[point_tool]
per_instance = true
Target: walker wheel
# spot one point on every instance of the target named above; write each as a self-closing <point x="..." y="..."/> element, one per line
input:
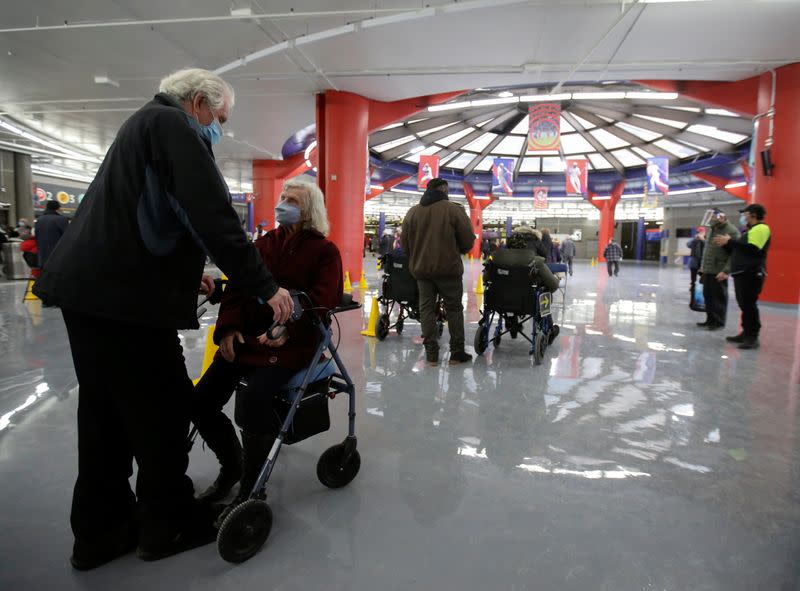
<point x="334" y="471"/>
<point x="382" y="330"/>
<point x="539" y="345"/>
<point x="480" y="343"/>
<point x="244" y="531"/>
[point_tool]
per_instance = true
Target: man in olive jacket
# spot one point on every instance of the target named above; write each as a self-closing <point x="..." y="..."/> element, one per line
<point x="435" y="235"/>
<point x="714" y="272"/>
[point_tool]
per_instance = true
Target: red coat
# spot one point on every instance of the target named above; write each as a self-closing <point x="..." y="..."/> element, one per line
<point x="306" y="261"/>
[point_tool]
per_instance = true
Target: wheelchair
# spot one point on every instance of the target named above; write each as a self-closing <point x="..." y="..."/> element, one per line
<point x="301" y="412"/>
<point x="517" y="291"/>
<point x="399" y="289"/>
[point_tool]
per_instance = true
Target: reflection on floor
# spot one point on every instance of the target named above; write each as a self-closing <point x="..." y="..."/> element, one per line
<point x="643" y="454"/>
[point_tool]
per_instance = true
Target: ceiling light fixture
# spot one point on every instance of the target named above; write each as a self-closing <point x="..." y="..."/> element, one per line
<point x="505" y="94"/>
<point x="61" y="174"/>
<point x="735" y="185"/>
<point x="449" y="106"/>
<point x="532" y="98"/>
<point x="495" y="101"/>
<point x="106" y="81"/>
<point x="664" y="96"/>
<point x="598" y="95"/>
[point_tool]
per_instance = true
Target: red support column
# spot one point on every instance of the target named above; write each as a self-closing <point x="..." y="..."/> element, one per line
<point x="342" y="131"/>
<point x="778" y="192"/>
<point x="268" y="179"/>
<point x="607" y="208"/>
<point x="344" y="122"/>
<point x="476" y="207"/>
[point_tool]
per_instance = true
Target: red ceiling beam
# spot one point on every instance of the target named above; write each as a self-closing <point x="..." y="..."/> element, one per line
<point x="720" y="183"/>
<point x="740" y="97"/>
<point x="382" y="113"/>
<point x="285" y="169"/>
<point x="385" y="186"/>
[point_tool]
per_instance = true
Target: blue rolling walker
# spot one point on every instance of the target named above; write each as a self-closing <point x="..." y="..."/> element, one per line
<point x="304" y="400"/>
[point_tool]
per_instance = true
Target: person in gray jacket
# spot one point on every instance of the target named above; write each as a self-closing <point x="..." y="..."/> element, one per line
<point x="714" y="272"/>
<point x="568" y="252"/>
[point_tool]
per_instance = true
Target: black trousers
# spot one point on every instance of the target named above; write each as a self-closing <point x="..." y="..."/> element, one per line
<point x="451" y="289"/>
<point x="692" y="278"/>
<point x="253" y="403"/>
<point x="615" y="265"/>
<point x="133" y="402"/>
<point x="716" y="295"/>
<point x="748" y="287"/>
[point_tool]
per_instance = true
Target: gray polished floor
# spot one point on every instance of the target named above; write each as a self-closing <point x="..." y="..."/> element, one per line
<point x="643" y="454"/>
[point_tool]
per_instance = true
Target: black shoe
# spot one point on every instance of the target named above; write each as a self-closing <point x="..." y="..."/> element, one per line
<point x="86" y="556"/>
<point x="254" y="454"/>
<point x="715" y="326"/>
<point x="222" y="486"/>
<point x="432" y="358"/>
<point x="749" y="343"/>
<point x="460" y="357"/>
<point x="739" y="338"/>
<point x="228" y="450"/>
<point x="703" y="324"/>
<point x="198" y="530"/>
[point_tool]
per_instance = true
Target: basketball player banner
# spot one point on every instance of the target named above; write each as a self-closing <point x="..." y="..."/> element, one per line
<point x="544" y="127"/>
<point x="540" y="198"/>
<point x="503" y="176"/>
<point x="577" y="174"/>
<point x="428" y="169"/>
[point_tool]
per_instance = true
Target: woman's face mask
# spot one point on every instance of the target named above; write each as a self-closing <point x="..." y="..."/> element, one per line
<point x="287" y="214"/>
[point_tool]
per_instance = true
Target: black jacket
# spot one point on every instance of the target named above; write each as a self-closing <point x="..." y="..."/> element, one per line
<point x="50" y="227"/>
<point x="696" y="247"/>
<point x="136" y="248"/>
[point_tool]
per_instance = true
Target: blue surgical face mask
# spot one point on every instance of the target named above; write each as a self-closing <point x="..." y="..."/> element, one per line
<point x="287" y="214"/>
<point x="742" y="221"/>
<point x="212" y="132"/>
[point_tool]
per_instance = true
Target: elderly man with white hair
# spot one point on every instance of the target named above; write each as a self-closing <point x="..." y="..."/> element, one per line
<point x="126" y="276"/>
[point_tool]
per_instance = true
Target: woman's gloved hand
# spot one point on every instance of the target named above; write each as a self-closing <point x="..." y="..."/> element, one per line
<point x="226" y="345"/>
<point x="281" y="336"/>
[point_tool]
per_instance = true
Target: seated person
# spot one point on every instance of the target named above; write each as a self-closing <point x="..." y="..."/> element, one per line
<point x="301" y="258"/>
<point x="519" y="254"/>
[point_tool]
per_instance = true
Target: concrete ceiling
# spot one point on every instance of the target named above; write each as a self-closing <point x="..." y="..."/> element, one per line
<point x="385" y="49"/>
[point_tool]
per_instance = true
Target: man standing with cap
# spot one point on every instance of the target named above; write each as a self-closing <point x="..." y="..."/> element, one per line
<point x="715" y="269"/>
<point x="749" y="269"/>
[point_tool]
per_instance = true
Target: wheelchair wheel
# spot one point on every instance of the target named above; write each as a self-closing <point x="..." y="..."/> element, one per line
<point x="480" y="343"/>
<point x="383" y="327"/>
<point x="539" y="345"/>
<point x="399" y="325"/>
<point x="553" y="334"/>
<point x="333" y="471"/>
<point x="496" y="341"/>
<point x="244" y="531"/>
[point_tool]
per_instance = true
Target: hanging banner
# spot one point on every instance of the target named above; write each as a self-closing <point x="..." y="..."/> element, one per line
<point x="544" y="127"/>
<point x="657" y="175"/>
<point x="503" y="176"/>
<point x="577" y="176"/>
<point x="428" y="169"/>
<point x="540" y="197"/>
<point x="649" y="200"/>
